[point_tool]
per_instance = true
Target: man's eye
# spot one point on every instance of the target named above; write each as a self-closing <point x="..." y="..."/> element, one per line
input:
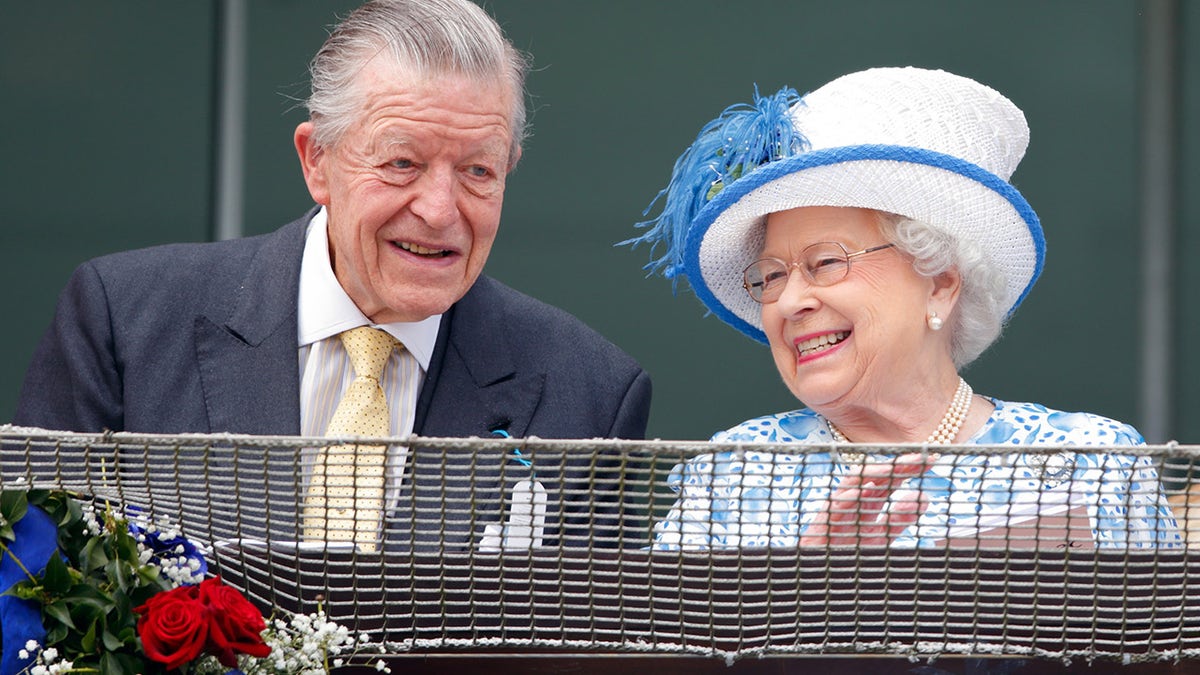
<point x="479" y="171"/>
<point x="402" y="163"/>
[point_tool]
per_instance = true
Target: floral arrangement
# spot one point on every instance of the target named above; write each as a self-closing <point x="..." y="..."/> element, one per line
<point x="93" y="588"/>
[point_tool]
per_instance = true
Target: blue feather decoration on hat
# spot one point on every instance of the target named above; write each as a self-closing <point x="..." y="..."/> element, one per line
<point x="743" y="138"/>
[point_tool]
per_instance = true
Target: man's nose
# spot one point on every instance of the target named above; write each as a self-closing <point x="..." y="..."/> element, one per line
<point x="436" y="201"/>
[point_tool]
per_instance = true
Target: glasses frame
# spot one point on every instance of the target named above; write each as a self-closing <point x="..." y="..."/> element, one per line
<point x="796" y="264"/>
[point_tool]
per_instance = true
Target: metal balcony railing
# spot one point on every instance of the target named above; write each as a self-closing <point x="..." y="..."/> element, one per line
<point x="555" y="548"/>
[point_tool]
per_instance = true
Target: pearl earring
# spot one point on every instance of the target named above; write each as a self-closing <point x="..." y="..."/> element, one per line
<point x="934" y="321"/>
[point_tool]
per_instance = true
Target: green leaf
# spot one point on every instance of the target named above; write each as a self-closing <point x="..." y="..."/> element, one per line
<point x="12" y="508"/>
<point x="133" y="664"/>
<point x="56" y="633"/>
<point x="87" y="616"/>
<point x="124" y="575"/>
<point x="94" y="556"/>
<point x="57" y="504"/>
<point x="61" y="613"/>
<point x="13" y="504"/>
<point x="85" y="595"/>
<point x="149" y="575"/>
<point x="70" y="511"/>
<point x="117" y="664"/>
<point x="57" y="579"/>
<point x="111" y="642"/>
<point x="27" y="590"/>
<point x="38" y="496"/>
<point x="88" y="641"/>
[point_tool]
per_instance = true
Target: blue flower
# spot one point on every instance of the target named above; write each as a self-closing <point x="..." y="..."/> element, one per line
<point x="178" y="557"/>
<point x="36" y="540"/>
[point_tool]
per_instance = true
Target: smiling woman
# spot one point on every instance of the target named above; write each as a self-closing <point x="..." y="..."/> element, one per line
<point x="888" y="191"/>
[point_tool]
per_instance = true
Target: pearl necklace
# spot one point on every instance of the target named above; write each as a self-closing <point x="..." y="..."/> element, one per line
<point x="946" y="430"/>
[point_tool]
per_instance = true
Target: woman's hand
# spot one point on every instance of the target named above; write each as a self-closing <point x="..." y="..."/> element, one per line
<point x="854" y="514"/>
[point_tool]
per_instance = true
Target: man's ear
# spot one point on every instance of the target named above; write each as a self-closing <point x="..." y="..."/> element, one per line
<point x="312" y="162"/>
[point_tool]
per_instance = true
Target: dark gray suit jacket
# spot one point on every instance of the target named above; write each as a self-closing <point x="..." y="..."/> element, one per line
<point x="202" y="338"/>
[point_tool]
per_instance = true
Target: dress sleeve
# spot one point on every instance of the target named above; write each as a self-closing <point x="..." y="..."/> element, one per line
<point x="688" y="524"/>
<point x="1131" y="510"/>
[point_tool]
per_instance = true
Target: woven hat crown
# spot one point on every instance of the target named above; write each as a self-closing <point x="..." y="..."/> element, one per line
<point x="929" y="109"/>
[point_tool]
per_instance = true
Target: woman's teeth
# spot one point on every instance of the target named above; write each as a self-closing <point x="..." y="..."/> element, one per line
<point x="821" y="342"/>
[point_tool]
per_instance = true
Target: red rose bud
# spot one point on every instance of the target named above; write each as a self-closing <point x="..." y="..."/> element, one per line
<point x="235" y="624"/>
<point x="173" y="626"/>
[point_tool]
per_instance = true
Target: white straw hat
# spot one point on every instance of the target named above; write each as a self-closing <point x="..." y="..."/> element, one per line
<point x="925" y="144"/>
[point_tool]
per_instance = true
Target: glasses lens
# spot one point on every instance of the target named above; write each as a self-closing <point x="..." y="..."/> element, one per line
<point x="826" y="263"/>
<point x="765" y="279"/>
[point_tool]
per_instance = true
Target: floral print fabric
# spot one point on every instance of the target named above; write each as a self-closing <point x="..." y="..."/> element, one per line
<point x="751" y="498"/>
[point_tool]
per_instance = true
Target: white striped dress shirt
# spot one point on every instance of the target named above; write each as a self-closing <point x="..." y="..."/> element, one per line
<point x="325" y="372"/>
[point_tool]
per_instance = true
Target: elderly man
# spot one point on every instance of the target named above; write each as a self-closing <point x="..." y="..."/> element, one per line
<point x="416" y="118"/>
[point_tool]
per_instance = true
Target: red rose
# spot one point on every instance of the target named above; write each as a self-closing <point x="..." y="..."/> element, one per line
<point x="235" y="625"/>
<point x="173" y="626"/>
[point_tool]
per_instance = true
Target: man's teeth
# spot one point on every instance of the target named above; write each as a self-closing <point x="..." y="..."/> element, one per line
<point x="820" y="342"/>
<point x="421" y="250"/>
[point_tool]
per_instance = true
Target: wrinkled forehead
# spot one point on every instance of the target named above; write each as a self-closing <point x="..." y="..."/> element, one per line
<point x="455" y="99"/>
<point x="382" y="70"/>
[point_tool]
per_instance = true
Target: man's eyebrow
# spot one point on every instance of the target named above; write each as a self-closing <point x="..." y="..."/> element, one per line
<point x="494" y="146"/>
<point x="391" y="141"/>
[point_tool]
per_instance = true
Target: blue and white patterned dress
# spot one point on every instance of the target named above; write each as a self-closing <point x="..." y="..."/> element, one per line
<point x="748" y="498"/>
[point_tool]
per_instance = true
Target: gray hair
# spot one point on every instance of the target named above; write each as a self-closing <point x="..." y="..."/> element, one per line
<point x="980" y="312"/>
<point x="429" y="38"/>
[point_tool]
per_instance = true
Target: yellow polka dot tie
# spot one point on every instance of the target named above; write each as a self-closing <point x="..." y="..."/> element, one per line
<point x="346" y="494"/>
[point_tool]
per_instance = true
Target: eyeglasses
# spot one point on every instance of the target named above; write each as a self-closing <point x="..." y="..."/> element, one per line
<point x="824" y="263"/>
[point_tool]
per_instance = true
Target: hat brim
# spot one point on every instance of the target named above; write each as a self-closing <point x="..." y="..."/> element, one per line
<point x="945" y="192"/>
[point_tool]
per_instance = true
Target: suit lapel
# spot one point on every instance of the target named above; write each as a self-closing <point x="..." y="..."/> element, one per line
<point x="473" y="386"/>
<point x="247" y="360"/>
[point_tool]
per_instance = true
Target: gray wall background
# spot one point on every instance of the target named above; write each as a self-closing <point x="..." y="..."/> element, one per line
<point x="112" y="128"/>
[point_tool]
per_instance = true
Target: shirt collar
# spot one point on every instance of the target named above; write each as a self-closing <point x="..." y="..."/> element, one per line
<point x="324" y="309"/>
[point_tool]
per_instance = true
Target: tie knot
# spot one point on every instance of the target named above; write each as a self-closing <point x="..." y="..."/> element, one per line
<point x="369" y="350"/>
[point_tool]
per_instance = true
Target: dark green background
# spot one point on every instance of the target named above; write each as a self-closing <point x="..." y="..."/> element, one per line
<point x="109" y="125"/>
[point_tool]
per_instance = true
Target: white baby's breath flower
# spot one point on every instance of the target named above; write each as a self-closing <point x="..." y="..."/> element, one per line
<point x="90" y="522"/>
<point x="304" y="644"/>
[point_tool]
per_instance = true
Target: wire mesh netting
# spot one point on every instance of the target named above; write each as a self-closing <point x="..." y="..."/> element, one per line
<point x="635" y="547"/>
